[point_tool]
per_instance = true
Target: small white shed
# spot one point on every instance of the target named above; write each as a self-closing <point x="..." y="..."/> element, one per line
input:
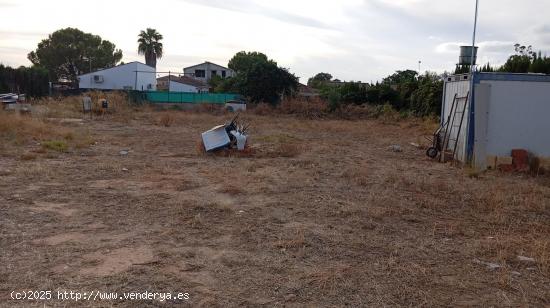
<point x="506" y="111"/>
<point x="129" y="76"/>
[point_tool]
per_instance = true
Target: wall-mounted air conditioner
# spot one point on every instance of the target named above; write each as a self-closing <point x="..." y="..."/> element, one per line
<point x="98" y="78"/>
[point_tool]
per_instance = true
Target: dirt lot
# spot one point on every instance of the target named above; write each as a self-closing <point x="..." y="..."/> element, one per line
<point x="322" y="213"/>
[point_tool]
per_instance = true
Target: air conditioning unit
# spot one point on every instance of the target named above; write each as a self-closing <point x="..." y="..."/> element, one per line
<point x="98" y="78"/>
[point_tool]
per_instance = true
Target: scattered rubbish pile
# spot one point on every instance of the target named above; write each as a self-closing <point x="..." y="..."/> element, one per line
<point x="396" y="148"/>
<point x="14" y="102"/>
<point x="490" y="265"/>
<point x="232" y="135"/>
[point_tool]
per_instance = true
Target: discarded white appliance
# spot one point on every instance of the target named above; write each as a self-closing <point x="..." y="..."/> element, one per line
<point x="216" y="138"/>
<point x="230" y="136"/>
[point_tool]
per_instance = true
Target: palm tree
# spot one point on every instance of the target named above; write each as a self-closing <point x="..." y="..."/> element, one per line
<point x="150" y="46"/>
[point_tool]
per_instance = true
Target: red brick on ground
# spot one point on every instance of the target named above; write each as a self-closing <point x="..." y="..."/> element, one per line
<point x="520" y="160"/>
<point x="506" y="168"/>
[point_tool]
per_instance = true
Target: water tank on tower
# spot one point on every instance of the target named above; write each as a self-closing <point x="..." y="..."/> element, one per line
<point x="466" y="55"/>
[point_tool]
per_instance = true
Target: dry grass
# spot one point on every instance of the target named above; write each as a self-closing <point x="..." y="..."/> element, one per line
<point x="167" y="119"/>
<point x="28" y="156"/>
<point x="119" y="107"/>
<point x="231" y="189"/>
<point x="315" y="213"/>
<point x="22" y="128"/>
<point x="38" y="128"/>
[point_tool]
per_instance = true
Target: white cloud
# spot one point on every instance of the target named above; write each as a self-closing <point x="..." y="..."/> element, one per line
<point x="352" y="39"/>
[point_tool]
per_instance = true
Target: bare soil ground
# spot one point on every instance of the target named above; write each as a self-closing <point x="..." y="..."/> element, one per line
<point x="320" y="213"/>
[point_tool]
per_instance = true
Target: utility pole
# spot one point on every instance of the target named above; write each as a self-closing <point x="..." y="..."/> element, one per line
<point x="471" y="94"/>
<point x="474" y="39"/>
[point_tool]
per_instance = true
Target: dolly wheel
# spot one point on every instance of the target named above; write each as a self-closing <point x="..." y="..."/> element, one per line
<point x="432" y="153"/>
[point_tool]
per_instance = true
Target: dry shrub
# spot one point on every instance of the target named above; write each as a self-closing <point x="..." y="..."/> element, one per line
<point x="215" y="109"/>
<point x="287" y="150"/>
<point x="118" y="101"/>
<point x="355" y="112"/>
<point x="292" y="239"/>
<point x="314" y="108"/>
<point x="83" y="140"/>
<point x="429" y="124"/>
<point x="388" y="114"/>
<point x="166" y="119"/>
<point x="60" y="107"/>
<point x="262" y="109"/>
<point x="55" y="145"/>
<point x="28" y="156"/>
<point x="231" y="189"/>
<point x="330" y="278"/>
<point x="358" y="176"/>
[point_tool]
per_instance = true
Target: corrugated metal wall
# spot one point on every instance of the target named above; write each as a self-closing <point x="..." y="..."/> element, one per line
<point x="459" y="85"/>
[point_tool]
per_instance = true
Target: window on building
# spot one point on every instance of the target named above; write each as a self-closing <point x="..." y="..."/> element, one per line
<point x="214" y="73"/>
<point x="200" y="73"/>
<point x="223" y="74"/>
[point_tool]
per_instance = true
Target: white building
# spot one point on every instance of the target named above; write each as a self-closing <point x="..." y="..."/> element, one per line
<point x="206" y="70"/>
<point x="506" y="112"/>
<point x="182" y="84"/>
<point x="129" y="76"/>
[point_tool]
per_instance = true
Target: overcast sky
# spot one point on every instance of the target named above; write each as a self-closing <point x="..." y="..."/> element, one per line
<point x="351" y="39"/>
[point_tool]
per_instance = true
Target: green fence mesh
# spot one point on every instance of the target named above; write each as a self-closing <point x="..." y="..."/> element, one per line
<point x="181" y="97"/>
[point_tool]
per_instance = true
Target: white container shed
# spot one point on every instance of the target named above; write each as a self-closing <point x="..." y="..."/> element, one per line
<point x="129" y="76"/>
<point x="507" y="111"/>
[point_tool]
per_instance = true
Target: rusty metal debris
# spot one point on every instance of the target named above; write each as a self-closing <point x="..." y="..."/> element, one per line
<point x="232" y="135"/>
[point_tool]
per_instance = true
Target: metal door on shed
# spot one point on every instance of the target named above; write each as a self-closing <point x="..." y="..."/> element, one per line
<point x="458" y="85"/>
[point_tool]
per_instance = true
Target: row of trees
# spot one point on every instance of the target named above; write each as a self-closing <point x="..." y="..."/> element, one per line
<point x="403" y="90"/>
<point x="418" y="94"/>
<point x="32" y="81"/>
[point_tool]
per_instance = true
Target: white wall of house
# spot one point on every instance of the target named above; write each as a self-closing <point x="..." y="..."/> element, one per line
<point x="130" y="76"/>
<point x="180" y="87"/>
<point x="209" y="70"/>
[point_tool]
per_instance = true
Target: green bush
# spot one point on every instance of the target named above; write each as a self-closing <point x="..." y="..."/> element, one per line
<point x="55" y="145"/>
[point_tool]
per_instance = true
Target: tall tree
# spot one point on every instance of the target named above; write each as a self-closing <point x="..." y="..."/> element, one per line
<point x="150" y="46"/>
<point x="400" y="77"/>
<point x="319" y="80"/>
<point x="426" y="100"/>
<point x="259" y="78"/>
<point x="69" y="52"/>
<point x="243" y="61"/>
